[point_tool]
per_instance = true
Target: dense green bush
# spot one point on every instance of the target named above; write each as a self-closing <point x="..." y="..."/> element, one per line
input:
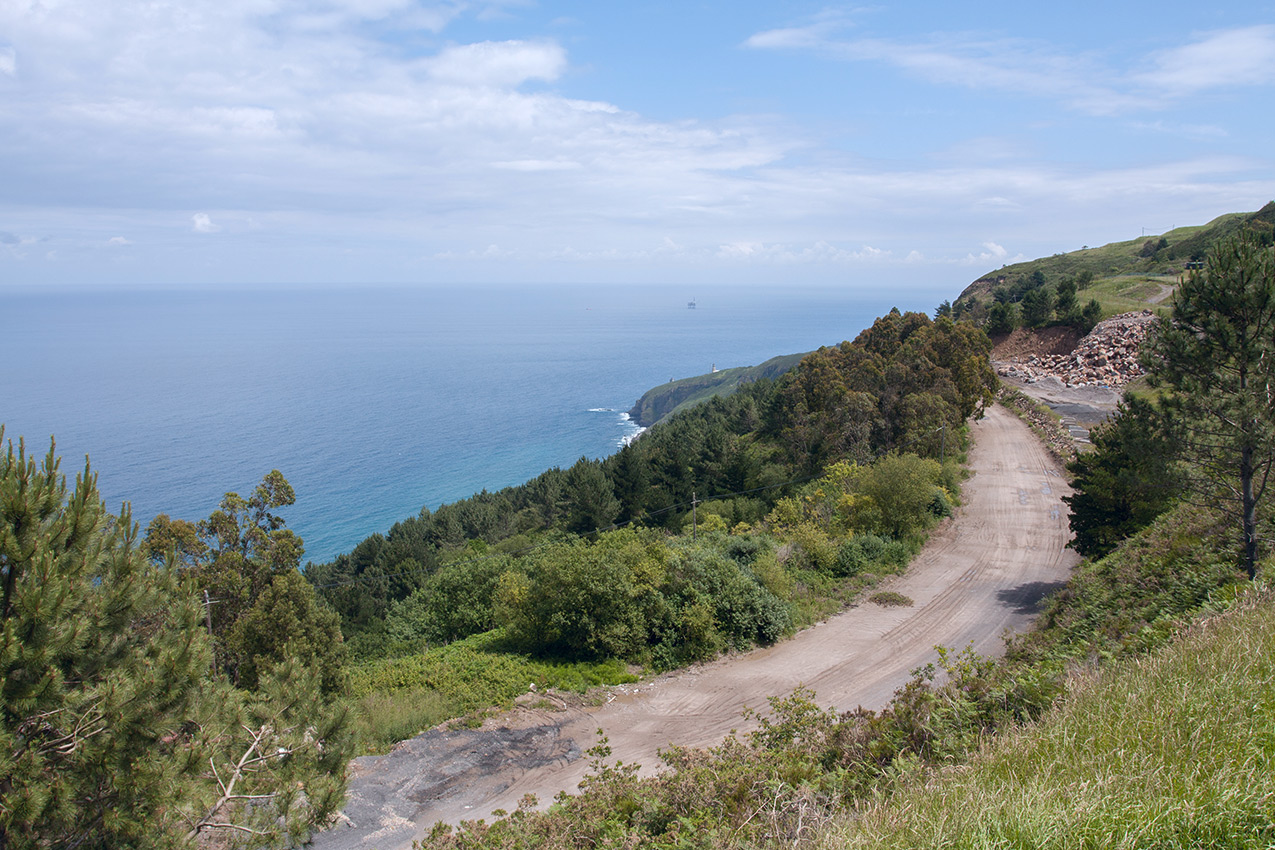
<point x="453" y="603"/>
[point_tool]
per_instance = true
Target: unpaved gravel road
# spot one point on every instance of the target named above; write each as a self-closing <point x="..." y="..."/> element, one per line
<point x="980" y="574"/>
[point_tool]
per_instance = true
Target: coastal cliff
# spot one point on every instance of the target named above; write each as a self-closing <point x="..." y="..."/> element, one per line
<point x="655" y="404"/>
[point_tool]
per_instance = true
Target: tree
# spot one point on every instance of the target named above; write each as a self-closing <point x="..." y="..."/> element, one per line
<point x="1001" y="319"/>
<point x="1038" y="306"/>
<point x="1216" y="355"/>
<point x="101" y="660"/>
<point x="1127" y="481"/>
<point x="247" y="562"/>
<point x="112" y="732"/>
<point x="1065" y="306"/>
<point x="895" y="496"/>
<point x="288" y="622"/>
<point x="1090" y="315"/>
<point x="591" y="502"/>
<point x="577" y="599"/>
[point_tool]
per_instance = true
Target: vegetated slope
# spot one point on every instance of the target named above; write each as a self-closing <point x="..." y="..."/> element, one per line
<point x="1165" y="255"/>
<point x="1176" y="750"/>
<point x="663" y="401"/>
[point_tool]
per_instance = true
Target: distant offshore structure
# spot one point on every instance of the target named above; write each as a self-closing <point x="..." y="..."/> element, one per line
<point x="690" y="305"/>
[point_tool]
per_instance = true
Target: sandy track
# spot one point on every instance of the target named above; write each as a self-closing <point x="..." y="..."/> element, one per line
<point x="980" y="574"/>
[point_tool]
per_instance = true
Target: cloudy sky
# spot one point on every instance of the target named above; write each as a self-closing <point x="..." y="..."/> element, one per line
<point x="384" y="141"/>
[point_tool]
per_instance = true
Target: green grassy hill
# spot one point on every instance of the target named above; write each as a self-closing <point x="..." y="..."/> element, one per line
<point x="1131" y="275"/>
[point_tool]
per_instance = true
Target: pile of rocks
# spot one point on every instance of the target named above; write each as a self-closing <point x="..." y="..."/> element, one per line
<point x="1108" y="356"/>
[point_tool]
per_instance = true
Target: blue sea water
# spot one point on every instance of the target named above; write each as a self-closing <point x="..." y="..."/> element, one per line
<point x="373" y="402"/>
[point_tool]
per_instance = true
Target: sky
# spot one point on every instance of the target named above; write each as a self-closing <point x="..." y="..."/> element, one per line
<point x="908" y="144"/>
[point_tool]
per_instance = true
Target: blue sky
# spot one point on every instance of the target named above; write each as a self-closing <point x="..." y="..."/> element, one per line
<point x="920" y="144"/>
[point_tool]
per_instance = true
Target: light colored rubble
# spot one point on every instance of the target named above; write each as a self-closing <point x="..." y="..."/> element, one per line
<point x="1107" y="357"/>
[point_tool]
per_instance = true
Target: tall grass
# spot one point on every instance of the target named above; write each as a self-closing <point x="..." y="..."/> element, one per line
<point x="1172" y="750"/>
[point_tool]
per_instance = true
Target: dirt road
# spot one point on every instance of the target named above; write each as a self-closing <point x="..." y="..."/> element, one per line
<point x="980" y="574"/>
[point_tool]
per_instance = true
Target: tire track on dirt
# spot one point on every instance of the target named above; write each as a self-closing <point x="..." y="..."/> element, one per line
<point x="982" y="573"/>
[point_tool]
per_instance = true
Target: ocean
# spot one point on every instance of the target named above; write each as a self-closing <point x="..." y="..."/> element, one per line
<point x="372" y="402"/>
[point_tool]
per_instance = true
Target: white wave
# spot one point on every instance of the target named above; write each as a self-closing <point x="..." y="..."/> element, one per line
<point x="629" y="438"/>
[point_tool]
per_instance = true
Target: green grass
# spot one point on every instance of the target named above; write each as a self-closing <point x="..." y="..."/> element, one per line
<point x="1111" y="264"/>
<point x="396" y="698"/>
<point x="1174" y="750"/>
<point x="1129" y="293"/>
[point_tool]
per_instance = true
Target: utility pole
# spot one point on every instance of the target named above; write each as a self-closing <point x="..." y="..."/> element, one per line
<point x="694" y="517"/>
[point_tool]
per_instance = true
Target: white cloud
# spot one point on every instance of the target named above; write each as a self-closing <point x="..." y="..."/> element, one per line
<point x="992" y="254"/>
<point x="202" y="223"/>
<point x="1226" y="58"/>
<point x="1188" y="131"/>
<point x="491" y="252"/>
<point x="118" y="240"/>
<point x="1014" y="65"/>
<point x="813" y="36"/>
<point x="1086" y="82"/>
<point x="498" y="64"/>
<point x="789" y="254"/>
<point x="331" y="128"/>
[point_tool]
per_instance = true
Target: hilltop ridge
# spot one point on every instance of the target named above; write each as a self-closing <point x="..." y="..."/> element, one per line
<point x="1148" y="260"/>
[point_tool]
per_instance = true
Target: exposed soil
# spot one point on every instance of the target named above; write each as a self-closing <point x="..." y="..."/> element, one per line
<point x="982" y="573"/>
<point x="1022" y="343"/>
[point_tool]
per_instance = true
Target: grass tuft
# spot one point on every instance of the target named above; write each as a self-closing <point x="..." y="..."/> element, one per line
<point x="890" y="599"/>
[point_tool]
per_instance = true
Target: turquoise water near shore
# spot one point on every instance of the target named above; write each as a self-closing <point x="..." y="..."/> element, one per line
<point x="373" y="402"/>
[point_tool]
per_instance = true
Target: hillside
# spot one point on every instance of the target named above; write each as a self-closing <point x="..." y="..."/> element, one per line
<point x="667" y="399"/>
<point x="1123" y="276"/>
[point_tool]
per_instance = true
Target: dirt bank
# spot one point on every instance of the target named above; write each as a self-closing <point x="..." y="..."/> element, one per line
<point x="982" y="573"/>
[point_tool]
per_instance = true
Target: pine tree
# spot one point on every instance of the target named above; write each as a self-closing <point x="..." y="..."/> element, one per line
<point x="1127" y="481"/>
<point x="101" y="666"/>
<point x="1217" y="357"/>
<point x="113" y="732"/>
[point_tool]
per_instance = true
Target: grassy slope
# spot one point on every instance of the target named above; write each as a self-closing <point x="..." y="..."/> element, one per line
<point x="1174" y="750"/>
<point x="1123" y="279"/>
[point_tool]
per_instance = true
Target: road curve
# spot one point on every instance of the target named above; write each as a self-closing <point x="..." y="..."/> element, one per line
<point x="981" y="573"/>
